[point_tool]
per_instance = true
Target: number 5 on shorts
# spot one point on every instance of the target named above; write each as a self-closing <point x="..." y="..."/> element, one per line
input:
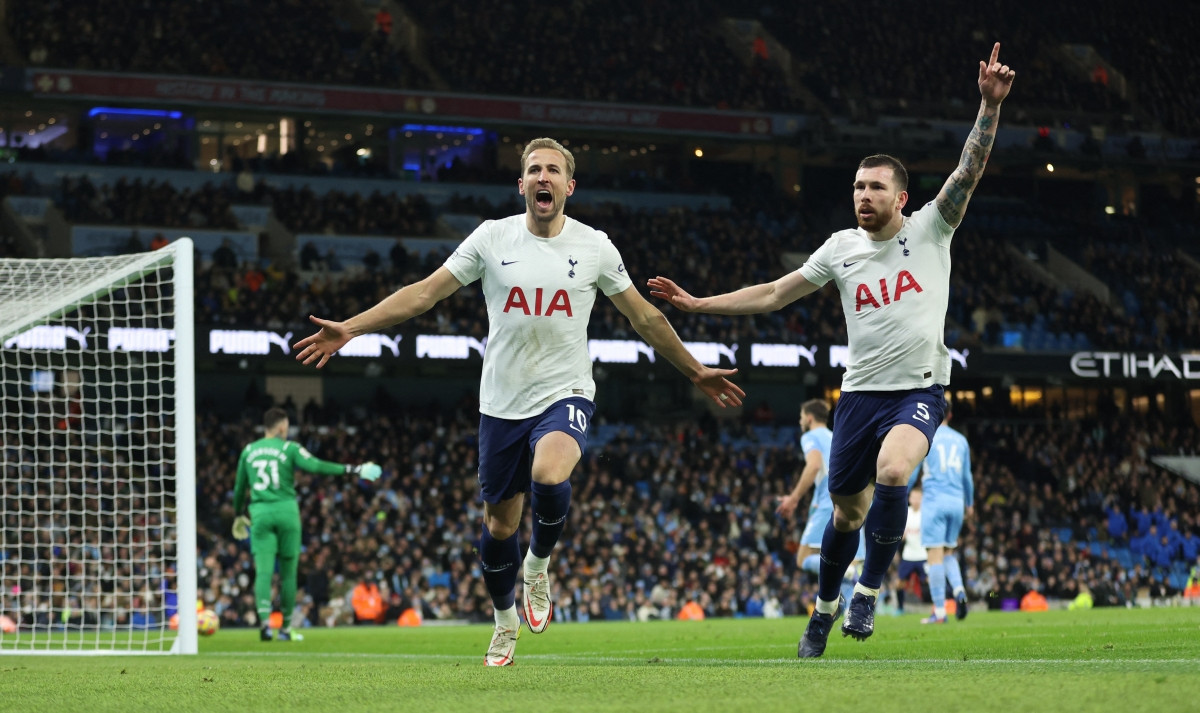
<point x="922" y="413"/>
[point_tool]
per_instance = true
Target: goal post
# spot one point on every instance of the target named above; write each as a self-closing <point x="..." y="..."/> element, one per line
<point x="97" y="454"/>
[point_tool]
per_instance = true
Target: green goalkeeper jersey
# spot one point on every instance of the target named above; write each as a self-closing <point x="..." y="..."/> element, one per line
<point x="266" y="469"/>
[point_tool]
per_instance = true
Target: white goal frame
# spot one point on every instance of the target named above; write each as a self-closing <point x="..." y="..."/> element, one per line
<point x="37" y="294"/>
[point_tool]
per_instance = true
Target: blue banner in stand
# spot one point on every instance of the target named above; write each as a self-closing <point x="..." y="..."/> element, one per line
<point x="29" y="208"/>
<point x="251" y="217"/>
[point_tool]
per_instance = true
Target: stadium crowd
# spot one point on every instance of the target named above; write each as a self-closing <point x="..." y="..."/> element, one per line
<point x="218" y="39"/>
<point x="665" y="515"/>
<point x="646" y="57"/>
<point x="706" y="251"/>
<point x="651" y="53"/>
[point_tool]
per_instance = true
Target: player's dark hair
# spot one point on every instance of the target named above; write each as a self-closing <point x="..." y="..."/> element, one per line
<point x="899" y="173"/>
<point x="817" y="408"/>
<point x="273" y="416"/>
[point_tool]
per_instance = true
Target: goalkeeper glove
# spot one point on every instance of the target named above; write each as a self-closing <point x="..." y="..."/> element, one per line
<point x="241" y="527"/>
<point x="366" y="471"/>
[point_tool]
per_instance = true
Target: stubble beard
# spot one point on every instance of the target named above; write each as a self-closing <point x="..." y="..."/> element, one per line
<point x="532" y="206"/>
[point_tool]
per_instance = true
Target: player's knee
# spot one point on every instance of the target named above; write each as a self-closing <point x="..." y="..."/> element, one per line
<point x="550" y="475"/>
<point x="893" y="473"/>
<point x="847" y="519"/>
<point x="500" y="529"/>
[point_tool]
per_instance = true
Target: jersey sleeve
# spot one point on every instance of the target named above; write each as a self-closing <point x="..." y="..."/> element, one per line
<point x="930" y="222"/>
<point x="613" y="277"/>
<point x="816" y="269"/>
<point x="467" y="261"/>
<point x="808" y="442"/>
<point x="304" y="460"/>
<point x="242" y="483"/>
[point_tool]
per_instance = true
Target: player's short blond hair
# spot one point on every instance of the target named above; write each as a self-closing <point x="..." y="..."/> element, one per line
<point x="546" y="143"/>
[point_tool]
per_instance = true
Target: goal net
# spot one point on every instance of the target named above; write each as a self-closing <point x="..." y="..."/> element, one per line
<point x="97" y="444"/>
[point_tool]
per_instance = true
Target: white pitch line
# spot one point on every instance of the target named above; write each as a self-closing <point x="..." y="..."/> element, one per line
<point x="716" y="662"/>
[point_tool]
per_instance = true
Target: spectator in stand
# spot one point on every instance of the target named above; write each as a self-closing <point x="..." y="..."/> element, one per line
<point x="1118" y="527"/>
<point x="368" y="601"/>
<point x="224" y="256"/>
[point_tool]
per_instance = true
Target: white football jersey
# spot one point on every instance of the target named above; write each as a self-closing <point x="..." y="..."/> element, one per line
<point x="539" y="294"/>
<point x="895" y="294"/>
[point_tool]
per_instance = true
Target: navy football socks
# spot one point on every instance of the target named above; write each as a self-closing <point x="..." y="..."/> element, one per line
<point x="837" y="552"/>
<point x="550" y="504"/>
<point x="501" y="560"/>
<point x="885" y="530"/>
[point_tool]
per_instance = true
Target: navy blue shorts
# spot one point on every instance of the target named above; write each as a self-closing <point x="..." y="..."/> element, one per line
<point x="861" y="421"/>
<point x="506" y="445"/>
<point x="908" y="568"/>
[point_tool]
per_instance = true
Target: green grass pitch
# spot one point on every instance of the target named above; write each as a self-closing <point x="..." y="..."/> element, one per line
<point x="1099" y="660"/>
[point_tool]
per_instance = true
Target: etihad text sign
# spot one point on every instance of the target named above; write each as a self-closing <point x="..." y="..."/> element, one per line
<point x="1130" y="365"/>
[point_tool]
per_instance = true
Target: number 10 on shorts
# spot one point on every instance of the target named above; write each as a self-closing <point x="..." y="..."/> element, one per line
<point x="577" y="418"/>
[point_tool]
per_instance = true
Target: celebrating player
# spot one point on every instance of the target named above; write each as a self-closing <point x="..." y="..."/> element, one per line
<point x="893" y="273"/>
<point x="266" y="470"/>
<point x="949" y="492"/>
<point x="814" y="444"/>
<point x="541" y="271"/>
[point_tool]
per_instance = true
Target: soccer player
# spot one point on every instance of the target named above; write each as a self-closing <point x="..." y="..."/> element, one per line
<point x="912" y="554"/>
<point x="541" y="271"/>
<point x="949" y="492"/>
<point x="266" y="471"/>
<point x="893" y="273"/>
<point x="814" y="444"/>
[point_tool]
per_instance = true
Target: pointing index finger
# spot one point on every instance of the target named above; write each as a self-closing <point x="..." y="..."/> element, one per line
<point x="995" y="54"/>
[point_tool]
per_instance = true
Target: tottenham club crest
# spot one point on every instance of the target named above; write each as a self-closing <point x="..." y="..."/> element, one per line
<point x="573" y="264"/>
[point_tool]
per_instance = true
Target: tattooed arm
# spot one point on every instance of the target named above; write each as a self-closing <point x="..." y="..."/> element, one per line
<point x="995" y="81"/>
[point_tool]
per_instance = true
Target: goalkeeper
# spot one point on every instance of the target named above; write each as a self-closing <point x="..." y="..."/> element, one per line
<point x="273" y="526"/>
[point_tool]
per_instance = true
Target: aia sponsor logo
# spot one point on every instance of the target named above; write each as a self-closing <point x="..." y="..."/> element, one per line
<point x="905" y="282"/>
<point x="518" y="301"/>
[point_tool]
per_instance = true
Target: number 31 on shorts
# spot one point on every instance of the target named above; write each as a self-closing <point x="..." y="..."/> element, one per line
<point x="577" y="418"/>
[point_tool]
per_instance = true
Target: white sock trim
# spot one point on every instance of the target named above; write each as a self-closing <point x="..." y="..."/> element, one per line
<point x="940" y="612"/>
<point x="536" y="564"/>
<point x="825" y="607"/>
<point x="860" y="589"/>
<point x="508" y="617"/>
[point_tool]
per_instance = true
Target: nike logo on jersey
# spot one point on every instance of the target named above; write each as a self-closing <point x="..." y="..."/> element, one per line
<point x="508" y="262"/>
<point x="848" y="264"/>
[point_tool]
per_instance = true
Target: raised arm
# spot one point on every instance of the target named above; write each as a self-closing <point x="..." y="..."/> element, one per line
<point x="652" y="325"/>
<point x="400" y="306"/>
<point x="764" y="297"/>
<point x="995" y="81"/>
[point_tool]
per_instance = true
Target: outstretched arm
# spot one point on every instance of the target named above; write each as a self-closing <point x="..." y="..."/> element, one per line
<point x="400" y="306"/>
<point x="812" y="465"/>
<point x="995" y="81"/>
<point x="650" y="323"/>
<point x="756" y="299"/>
